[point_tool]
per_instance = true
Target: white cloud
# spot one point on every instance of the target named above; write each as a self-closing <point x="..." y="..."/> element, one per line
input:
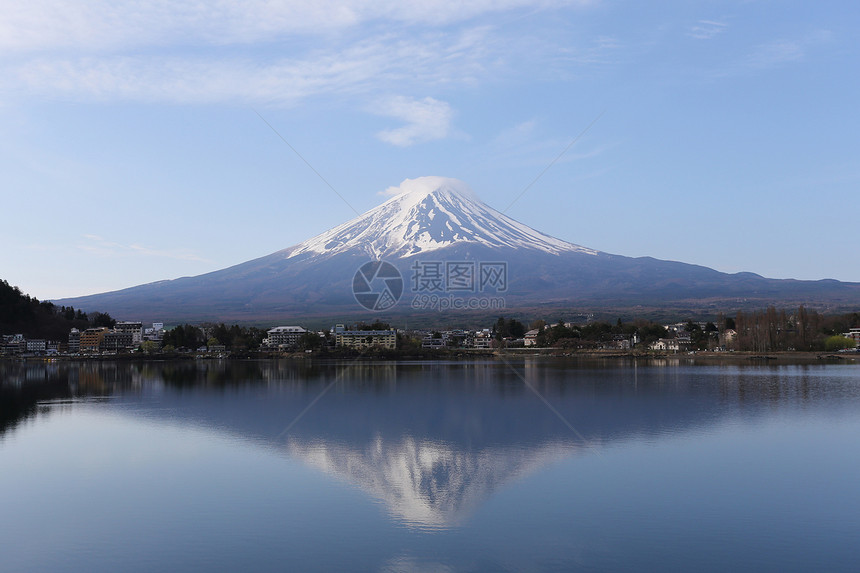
<point x="516" y="135"/>
<point x="707" y="29"/>
<point x="426" y="119"/>
<point x="779" y="52"/>
<point x="97" y="25"/>
<point x="99" y="246"/>
<point x="776" y="53"/>
<point x="256" y="51"/>
<point x="369" y="65"/>
<point x="527" y="143"/>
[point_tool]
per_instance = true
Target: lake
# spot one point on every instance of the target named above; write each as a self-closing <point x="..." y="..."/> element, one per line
<point x="491" y="465"/>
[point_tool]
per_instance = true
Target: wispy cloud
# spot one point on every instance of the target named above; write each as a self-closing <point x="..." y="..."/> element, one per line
<point x="99" y="246"/>
<point x="516" y="135"/>
<point x="387" y="60"/>
<point x="98" y="25"/>
<point x="786" y="51"/>
<point x="426" y="119"/>
<point x="249" y="51"/>
<point x="527" y="144"/>
<point x="775" y="54"/>
<point x="706" y="29"/>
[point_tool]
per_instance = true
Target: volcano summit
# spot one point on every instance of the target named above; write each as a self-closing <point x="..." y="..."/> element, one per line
<point x="439" y="221"/>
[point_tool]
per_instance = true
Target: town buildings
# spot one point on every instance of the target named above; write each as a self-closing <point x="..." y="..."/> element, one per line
<point x="854" y="333"/>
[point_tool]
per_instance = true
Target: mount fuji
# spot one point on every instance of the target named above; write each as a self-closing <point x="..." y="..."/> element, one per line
<point x="433" y="221"/>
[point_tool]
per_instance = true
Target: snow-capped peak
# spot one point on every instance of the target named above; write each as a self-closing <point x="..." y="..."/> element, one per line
<point x="428" y="214"/>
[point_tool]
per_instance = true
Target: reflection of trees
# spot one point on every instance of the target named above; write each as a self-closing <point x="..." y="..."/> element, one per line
<point x="18" y="404"/>
<point x="24" y="385"/>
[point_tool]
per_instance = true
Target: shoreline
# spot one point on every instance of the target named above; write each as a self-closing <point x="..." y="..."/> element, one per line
<point x="782" y="357"/>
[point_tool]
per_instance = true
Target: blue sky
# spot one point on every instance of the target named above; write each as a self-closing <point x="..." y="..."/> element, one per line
<point x="131" y="150"/>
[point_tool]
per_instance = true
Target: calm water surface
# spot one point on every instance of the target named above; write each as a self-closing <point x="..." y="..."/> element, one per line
<point x="466" y="466"/>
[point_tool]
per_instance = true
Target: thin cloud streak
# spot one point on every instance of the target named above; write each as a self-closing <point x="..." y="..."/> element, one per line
<point x="104" y="25"/>
<point x="707" y="29"/>
<point x="427" y="59"/>
<point x="775" y="54"/>
<point x="102" y="247"/>
<point x="426" y="119"/>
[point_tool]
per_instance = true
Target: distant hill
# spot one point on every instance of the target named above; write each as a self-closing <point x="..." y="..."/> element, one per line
<point x="23" y="314"/>
<point x="439" y="221"/>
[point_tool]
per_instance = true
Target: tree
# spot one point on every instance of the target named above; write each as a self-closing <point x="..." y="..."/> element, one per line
<point x="20" y="313"/>
<point x="98" y="319"/>
<point x="651" y="332"/>
<point x="838" y="342"/>
<point x="149" y="347"/>
<point x="310" y="341"/>
<point x="375" y="325"/>
<point x="508" y="328"/>
<point x="184" y="336"/>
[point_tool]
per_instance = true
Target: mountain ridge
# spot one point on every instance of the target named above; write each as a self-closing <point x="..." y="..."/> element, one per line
<point x="436" y="220"/>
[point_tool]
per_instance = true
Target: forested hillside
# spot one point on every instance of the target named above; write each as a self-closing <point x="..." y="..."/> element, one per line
<point x="23" y="314"/>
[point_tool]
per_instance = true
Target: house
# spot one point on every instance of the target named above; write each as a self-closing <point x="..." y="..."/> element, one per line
<point x="483" y="339"/>
<point x="727" y="337"/>
<point x="431" y="342"/>
<point x="853" y="333"/>
<point x="531" y="337"/>
<point x="620" y="342"/>
<point x="671" y="344"/>
<point x="14" y="344"/>
<point x="154" y="334"/>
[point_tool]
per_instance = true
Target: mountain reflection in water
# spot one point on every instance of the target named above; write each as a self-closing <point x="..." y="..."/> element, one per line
<point x="432" y="441"/>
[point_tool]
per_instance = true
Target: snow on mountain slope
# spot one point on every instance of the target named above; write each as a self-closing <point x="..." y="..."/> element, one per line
<point x="430" y="213"/>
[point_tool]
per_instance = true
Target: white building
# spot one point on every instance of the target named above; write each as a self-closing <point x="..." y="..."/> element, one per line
<point x="483" y="339"/>
<point x="36" y="345"/>
<point x="671" y="344"/>
<point x="154" y="334"/>
<point x="284" y="336"/>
